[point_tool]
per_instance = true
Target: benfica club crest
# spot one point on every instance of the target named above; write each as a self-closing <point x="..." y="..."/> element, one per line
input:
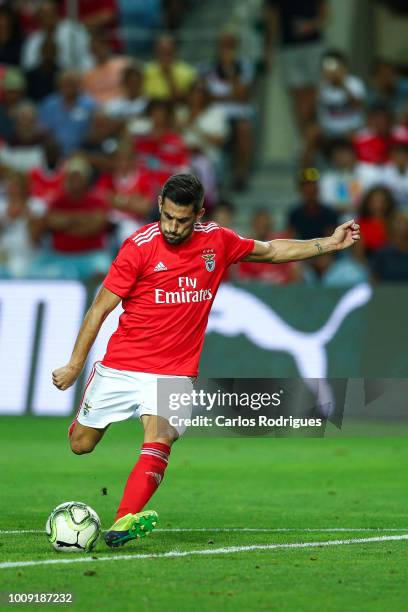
<point x="209" y="259"/>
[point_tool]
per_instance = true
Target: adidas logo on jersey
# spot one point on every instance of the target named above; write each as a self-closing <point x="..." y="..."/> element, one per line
<point x="160" y="267"/>
<point x="156" y="476"/>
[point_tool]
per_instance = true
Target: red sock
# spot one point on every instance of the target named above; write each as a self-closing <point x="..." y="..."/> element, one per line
<point x="71" y="428"/>
<point x="144" y="478"/>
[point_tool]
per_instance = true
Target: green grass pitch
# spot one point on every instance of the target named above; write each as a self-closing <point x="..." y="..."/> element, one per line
<point x="325" y="485"/>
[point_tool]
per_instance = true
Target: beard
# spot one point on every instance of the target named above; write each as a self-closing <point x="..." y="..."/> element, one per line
<point x="175" y="239"/>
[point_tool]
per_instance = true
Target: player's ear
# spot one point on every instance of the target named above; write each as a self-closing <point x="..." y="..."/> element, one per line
<point x="160" y="202"/>
<point x="200" y="214"/>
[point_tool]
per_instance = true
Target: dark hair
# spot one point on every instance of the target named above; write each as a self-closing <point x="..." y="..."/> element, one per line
<point x="400" y="145"/>
<point x="226" y="205"/>
<point x="100" y="34"/>
<point x="15" y="27"/>
<point x="133" y="68"/>
<point x="379" y="107"/>
<point x="184" y="190"/>
<point x="262" y="210"/>
<point x="339" y="143"/>
<point x="335" y="54"/>
<point x="365" y="202"/>
<point x="158" y="103"/>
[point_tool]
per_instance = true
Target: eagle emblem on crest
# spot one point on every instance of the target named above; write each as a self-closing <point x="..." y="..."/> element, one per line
<point x="209" y="260"/>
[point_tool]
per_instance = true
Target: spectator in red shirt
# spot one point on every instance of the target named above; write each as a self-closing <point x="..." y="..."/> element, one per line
<point x="278" y="274"/>
<point x="96" y="13"/>
<point x="128" y="191"/>
<point x="162" y="150"/>
<point x="373" y="144"/>
<point x="77" y="221"/>
<point x="376" y="209"/>
<point x="46" y="181"/>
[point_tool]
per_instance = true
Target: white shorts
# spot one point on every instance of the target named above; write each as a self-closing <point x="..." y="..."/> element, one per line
<point x="116" y="395"/>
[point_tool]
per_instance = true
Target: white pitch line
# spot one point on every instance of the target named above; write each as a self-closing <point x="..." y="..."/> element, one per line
<point x="206" y="551"/>
<point x="22" y="531"/>
<point x="282" y="529"/>
<point x="240" y="529"/>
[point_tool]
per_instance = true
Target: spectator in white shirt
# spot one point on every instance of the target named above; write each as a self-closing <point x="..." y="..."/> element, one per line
<point x="340" y="98"/>
<point x="203" y="122"/>
<point x="132" y="104"/>
<point x="204" y="127"/>
<point x="25" y="150"/>
<point x="230" y="81"/>
<point x="21" y="226"/>
<point x="71" y="38"/>
<point x="340" y="102"/>
<point x="343" y="184"/>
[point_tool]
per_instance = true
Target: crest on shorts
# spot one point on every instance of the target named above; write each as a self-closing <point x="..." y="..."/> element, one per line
<point x="86" y="408"/>
<point x="209" y="259"/>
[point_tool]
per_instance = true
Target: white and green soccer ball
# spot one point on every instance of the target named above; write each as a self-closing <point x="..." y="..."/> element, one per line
<point x="73" y="527"/>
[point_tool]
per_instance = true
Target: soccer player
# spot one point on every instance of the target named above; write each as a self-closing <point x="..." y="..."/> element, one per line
<point x="166" y="275"/>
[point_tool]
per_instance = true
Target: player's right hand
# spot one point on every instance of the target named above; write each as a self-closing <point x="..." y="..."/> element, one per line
<point x="64" y="377"/>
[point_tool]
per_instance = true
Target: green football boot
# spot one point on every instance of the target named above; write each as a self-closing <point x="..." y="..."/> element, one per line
<point x="131" y="527"/>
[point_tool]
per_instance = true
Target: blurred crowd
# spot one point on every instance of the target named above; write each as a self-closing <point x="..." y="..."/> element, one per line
<point x="92" y="125"/>
<point x="93" y="120"/>
<point x="354" y="157"/>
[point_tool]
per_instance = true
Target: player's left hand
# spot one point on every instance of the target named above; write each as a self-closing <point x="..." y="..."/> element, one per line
<point x="346" y="235"/>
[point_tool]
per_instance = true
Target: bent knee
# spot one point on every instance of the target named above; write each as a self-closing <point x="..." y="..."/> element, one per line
<point x="158" y="429"/>
<point x="81" y="446"/>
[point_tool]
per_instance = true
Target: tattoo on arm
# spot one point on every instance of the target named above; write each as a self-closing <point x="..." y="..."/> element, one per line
<point x="319" y="247"/>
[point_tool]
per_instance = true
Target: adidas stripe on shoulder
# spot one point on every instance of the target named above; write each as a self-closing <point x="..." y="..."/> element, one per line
<point x="142" y="237"/>
<point x="206" y="227"/>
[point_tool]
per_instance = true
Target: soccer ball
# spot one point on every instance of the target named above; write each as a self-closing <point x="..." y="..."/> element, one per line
<point x="73" y="527"/>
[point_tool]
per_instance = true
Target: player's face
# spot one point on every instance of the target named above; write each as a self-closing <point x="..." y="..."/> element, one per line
<point x="177" y="222"/>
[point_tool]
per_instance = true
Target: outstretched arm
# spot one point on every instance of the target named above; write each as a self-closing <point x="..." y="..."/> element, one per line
<point x="279" y="251"/>
<point x="103" y="304"/>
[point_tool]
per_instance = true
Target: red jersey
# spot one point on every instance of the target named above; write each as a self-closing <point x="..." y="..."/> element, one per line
<point x="373" y="233"/>
<point x="167" y="292"/>
<point x="372" y="148"/>
<point x="45" y="184"/>
<point x="169" y="152"/>
<point x="135" y="182"/>
<point x="64" y="241"/>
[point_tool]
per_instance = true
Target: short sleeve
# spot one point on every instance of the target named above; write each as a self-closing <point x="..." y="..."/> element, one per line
<point x="124" y="271"/>
<point x="236" y="247"/>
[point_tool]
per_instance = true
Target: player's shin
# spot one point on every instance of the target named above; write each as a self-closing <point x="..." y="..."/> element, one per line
<point x="144" y="479"/>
